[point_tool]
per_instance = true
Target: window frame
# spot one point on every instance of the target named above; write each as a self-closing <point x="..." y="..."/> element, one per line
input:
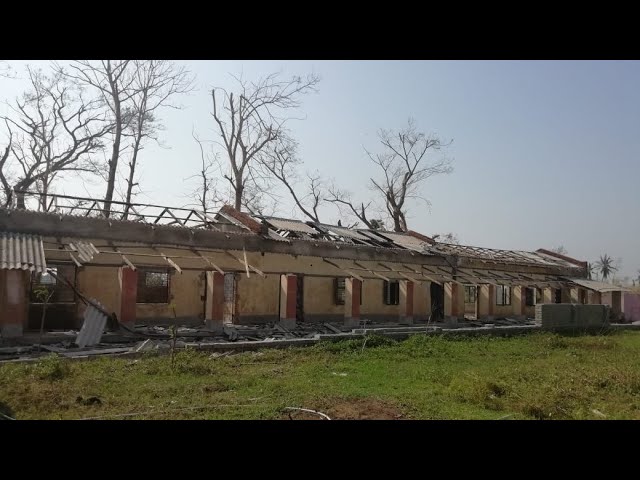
<point x="501" y="295"/>
<point x="142" y="282"/>
<point x="59" y="288"/>
<point x="337" y="288"/>
<point x="388" y="291"/>
<point x="467" y="294"/>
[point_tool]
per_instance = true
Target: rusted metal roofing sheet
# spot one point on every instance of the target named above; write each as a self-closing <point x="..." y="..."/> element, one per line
<point x="291" y="225"/>
<point x="22" y="252"/>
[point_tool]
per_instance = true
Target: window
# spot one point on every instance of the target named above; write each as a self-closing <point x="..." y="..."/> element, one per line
<point x="339" y="291"/>
<point x="45" y="284"/>
<point x="558" y="295"/>
<point x="153" y="286"/>
<point x="391" y="293"/>
<point x="469" y="294"/>
<point x="503" y="295"/>
<point x="530" y="301"/>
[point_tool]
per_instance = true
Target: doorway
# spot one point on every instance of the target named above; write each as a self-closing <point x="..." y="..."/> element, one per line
<point x="437" y="302"/>
<point x="300" y="298"/>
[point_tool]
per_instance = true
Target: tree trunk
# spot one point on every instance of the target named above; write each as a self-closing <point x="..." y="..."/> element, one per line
<point x="132" y="170"/>
<point x="239" y="191"/>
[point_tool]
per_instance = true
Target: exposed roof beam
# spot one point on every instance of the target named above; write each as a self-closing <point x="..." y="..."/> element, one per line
<point x="259" y="272"/>
<point x="208" y="261"/>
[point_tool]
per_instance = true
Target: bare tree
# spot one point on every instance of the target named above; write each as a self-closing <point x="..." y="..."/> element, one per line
<point x="5" y="70"/>
<point x="404" y="166"/>
<point x="205" y="194"/>
<point x="247" y="121"/>
<point x="155" y="84"/>
<point x="280" y="159"/>
<point x="343" y="199"/>
<point x="113" y="79"/>
<point x="56" y="130"/>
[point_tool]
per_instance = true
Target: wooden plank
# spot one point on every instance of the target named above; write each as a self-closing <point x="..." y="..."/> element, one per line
<point x="259" y="272"/>
<point x="208" y="261"/>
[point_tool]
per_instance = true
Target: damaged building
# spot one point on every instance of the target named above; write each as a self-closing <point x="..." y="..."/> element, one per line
<point x="176" y="265"/>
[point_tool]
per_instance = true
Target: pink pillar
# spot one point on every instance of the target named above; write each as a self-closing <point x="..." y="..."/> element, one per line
<point x="13" y="302"/>
<point x="288" y="296"/>
<point x="214" y="317"/>
<point x="352" y="289"/>
<point x="128" y="296"/>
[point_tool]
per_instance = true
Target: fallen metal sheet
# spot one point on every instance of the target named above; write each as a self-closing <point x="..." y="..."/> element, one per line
<point x="93" y="326"/>
<point x="86" y="250"/>
<point x="291" y="225"/>
<point x="22" y="252"/>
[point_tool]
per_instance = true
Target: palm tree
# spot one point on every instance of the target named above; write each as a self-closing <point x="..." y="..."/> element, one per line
<point x="605" y="266"/>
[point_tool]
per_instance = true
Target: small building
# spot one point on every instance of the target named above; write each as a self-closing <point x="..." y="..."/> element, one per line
<point x="180" y="265"/>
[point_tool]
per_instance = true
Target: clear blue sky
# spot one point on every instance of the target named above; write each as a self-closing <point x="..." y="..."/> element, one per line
<point x="545" y="152"/>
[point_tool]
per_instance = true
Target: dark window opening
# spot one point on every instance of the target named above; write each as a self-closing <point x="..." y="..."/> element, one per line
<point x="391" y="293"/>
<point x="558" y="298"/>
<point x="339" y="291"/>
<point x="503" y="295"/>
<point x="470" y="294"/>
<point x="45" y="287"/>
<point x="533" y="296"/>
<point x="153" y="286"/>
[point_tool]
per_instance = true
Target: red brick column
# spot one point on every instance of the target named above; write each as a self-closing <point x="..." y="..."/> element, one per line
<point x="214" y="318"/>
<point x="288" y="293"/>
<point x="14" y="302"/>
<point x="128" y="296"/>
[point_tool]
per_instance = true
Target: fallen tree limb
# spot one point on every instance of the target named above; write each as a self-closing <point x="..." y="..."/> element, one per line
<point x="325" y="416"/>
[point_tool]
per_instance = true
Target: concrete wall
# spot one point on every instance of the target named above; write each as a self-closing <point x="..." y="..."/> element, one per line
<point x="186" y="291"/>
<point x="319" y="300"/>
<point x="373" y="306"/>
<point x="258" y="298"/>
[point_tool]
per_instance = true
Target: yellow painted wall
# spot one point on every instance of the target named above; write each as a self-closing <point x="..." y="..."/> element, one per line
<point x="373" y="300"/>
<point x="258" y="295"/>
<point x="421" y="299"/>
<point x="101" y="284"/>
<point x="319" y="297"/>
<point x="185" y="291"/>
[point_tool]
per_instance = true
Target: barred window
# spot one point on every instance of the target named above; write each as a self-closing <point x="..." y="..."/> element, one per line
<point x="391" y="293"/>
<point x="153" y="286"/>
<point x="339" y="291"/>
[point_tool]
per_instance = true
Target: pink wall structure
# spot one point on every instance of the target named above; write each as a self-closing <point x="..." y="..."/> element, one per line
<point x="632" y="307"/>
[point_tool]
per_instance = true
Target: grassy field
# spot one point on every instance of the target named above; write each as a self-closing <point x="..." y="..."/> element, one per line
<point x="538" y="376"/>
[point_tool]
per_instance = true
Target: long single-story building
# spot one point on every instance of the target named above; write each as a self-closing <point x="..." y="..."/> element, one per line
<point x="186" y="266"/>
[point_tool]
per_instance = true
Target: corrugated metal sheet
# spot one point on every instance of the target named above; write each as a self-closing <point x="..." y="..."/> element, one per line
<point x="86" y="250"/>
<point x="291" y="225"/>
<point x="598" y="286"/>
<point x="92" y="328"/>
<point x="22" y="252"/>
<point x="406" y="241"/>
<point x="345" y="232"/>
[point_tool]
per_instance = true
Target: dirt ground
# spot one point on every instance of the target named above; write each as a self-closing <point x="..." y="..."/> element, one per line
<point x="361" y="409"/>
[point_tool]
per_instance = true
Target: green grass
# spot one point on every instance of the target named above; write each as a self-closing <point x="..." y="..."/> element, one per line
<point x="538" y="376"/>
